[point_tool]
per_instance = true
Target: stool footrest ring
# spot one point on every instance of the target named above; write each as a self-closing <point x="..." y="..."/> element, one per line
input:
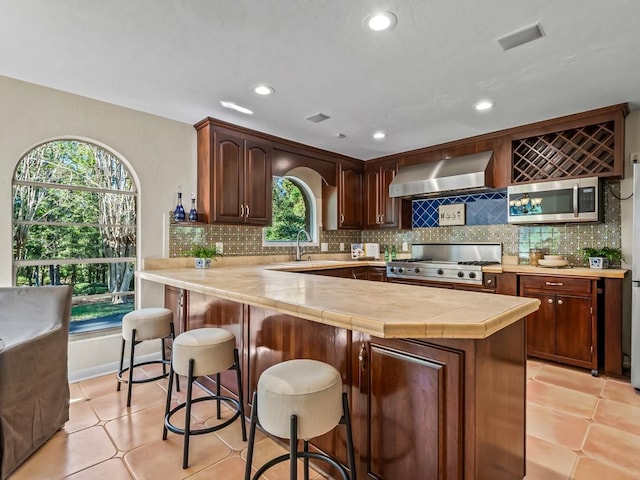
<point x="201" y="431"/>
<point x="301" y="454"/>
<point x="143" y="380"/>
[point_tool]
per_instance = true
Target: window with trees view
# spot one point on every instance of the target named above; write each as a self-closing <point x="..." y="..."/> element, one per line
<point x="74" y="222"/>
<point x="293" y="210"/>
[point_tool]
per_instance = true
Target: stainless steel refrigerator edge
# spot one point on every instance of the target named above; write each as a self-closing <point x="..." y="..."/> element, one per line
<point x="635" y="277"/>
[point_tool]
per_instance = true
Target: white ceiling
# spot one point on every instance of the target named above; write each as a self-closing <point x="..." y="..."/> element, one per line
<point x="419" y="82"/>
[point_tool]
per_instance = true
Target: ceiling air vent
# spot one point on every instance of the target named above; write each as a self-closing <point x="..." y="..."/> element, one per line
<point x="317" y="117"/>
<point x="526" y="35"/>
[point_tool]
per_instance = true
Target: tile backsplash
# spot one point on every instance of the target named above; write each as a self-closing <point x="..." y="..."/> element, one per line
<point x="484" y="223"/>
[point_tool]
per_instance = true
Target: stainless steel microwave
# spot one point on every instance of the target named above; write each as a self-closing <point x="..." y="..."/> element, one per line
<point x="575" y="200"/>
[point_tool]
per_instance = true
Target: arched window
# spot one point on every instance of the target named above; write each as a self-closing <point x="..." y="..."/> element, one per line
<point x="74" y="222"/>
<point x="294" y="209"/>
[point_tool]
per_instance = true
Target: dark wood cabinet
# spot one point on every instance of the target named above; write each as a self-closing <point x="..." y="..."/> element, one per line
<point x="234" y="176"/>
<point x="410" y="410"/>
<point x="350" y="198"/>
<point x="564" y="329"/>
<point x="381" y="210"/>
<point x="376" y="274"/>
<point x="175" y="299"/>
<point x="204" y="311"/>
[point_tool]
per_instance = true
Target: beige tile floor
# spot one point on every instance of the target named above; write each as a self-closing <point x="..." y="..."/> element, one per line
<point x="578" y="427"/>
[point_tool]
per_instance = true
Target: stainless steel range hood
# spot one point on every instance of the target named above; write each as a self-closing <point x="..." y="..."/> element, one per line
<point x="444" y="177"/>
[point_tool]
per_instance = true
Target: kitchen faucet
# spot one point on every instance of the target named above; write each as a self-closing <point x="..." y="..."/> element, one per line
<point x="299" y="251"/>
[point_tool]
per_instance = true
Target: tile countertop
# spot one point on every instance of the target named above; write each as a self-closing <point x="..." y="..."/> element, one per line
<point x="564" y="271"/>
<point x="381" y="309"/>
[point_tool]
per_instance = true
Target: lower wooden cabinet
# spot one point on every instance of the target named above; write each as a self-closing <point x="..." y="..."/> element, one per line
<point x="565" y="328"/>
<point x="376" y="274"/>
<point x="410" y="410"/>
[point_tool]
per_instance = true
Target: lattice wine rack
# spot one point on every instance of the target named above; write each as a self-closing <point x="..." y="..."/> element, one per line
<point x="576" y="152"/>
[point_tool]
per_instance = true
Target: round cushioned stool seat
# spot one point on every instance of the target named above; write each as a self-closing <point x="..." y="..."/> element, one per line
<point x="210" y="348"/>
<point x="309" y="389"/>
<point x="149" y="323"/>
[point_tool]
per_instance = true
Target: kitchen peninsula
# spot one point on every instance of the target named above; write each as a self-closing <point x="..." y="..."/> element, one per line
<point x="436" y="378"/>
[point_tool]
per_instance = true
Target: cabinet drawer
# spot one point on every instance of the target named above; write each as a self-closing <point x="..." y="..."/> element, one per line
<point x="556" y="284"/>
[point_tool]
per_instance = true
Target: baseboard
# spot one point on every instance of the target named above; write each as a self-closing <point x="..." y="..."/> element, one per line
<point x="99" y="370"/>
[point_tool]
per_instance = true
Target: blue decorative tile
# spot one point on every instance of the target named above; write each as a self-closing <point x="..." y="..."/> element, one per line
<point x="488" y="208"/>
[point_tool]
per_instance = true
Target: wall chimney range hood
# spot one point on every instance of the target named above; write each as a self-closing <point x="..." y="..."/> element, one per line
<point x="444" y="177"/>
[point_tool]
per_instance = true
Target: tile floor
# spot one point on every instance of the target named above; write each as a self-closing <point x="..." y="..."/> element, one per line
<point x="578" y="427"/>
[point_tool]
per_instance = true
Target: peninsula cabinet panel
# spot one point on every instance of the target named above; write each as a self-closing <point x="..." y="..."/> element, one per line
<point x="275" y="337"/>
<point x="414" y="422"/>
<point x="205" y="311"/>
<point x="175" y="299"/>
<point x="234" y="176"/>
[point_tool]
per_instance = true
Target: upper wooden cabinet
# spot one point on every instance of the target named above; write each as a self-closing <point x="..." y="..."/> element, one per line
<point x="581" y="145"/>
<point x="234" y="176"/>
<point x="381" y="210"/>
<point x="350" y="194"/>
<point x="342" y="205"/>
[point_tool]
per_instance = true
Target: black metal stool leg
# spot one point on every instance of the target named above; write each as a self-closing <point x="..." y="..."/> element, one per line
<point x="240" y="394"/>
<point x="168" y="403"/>
<point x="187" y="420"/>
<point x="131" y="362"/>
<point x="164" y="356"/>
<point x="173" y="337"/>
<point x="305" y="444"/>
<point x="347" y="421"/>
<point x="218" y="413"/>
<point x="293" y="449"/>
<point x="121" y="363"/>
<point x="252" y="436"/>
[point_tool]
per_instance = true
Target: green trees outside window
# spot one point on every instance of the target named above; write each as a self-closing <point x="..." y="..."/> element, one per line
<point x="74" y="222"/>
<point x="291" y="210"/>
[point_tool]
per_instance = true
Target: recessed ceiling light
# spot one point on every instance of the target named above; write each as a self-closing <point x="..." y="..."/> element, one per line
<point x="236" y="107"/>
<point x="379" y="135"/>
<point x="380" y="21"/>
<point x="263" y="90"/>
<point x="484" y="105"/>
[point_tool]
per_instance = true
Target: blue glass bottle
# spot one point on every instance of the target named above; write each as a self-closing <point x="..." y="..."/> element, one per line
<point x="193" y="213"/>
<point x="178" y="213"/>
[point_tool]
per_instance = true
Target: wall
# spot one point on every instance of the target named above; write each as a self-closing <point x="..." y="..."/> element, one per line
<point x="160" y="152"/>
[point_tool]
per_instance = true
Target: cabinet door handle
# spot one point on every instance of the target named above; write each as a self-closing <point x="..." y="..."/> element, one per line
<point x="247" y="212"/>
<point x="549" y="300"/>
<point x="489" y="281"/>
<point x="554" y="284"/>
<point x="560" y="302"/>
<point x="361" y="356"/>
<point x="342" y="218"/>
<point x="242" y="210"/>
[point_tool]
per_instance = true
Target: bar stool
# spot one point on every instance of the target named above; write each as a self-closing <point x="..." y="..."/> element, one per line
<point x="138" y="326"/>
<point x="300" y="399"/>
<point x="198" y="352"/>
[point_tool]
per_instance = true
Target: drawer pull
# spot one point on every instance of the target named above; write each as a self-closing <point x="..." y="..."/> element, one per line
<point x="554" y="284"/>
